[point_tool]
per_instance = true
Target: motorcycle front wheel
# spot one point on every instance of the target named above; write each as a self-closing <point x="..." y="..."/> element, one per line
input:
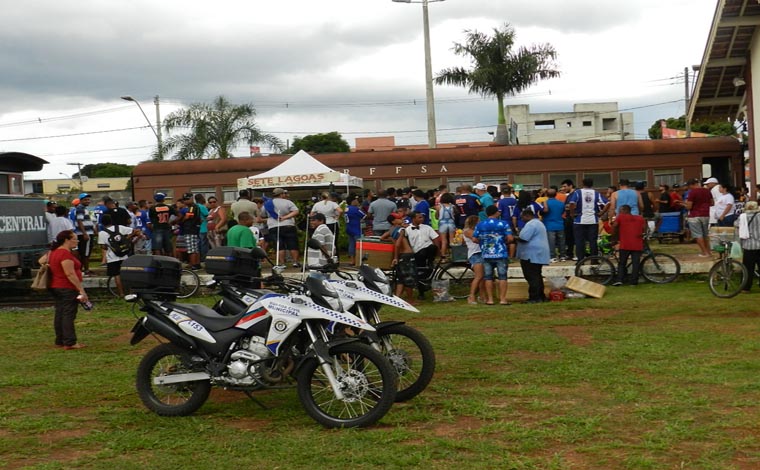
<point x="411" y="355"/>
<point x="171" y="398"/>
<point x="366" y="379"/>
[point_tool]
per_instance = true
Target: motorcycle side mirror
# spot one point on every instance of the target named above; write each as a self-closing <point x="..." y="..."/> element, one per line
<point x="278" y="270"/>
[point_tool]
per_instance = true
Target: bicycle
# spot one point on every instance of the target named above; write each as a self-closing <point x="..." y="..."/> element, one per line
<point x="189" y="284"/>
<point x="659" y="268"/>
<point x="458" y="273"/>
<point x="727" y="276"/>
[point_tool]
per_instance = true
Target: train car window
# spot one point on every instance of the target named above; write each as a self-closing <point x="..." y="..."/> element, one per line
<point x="4" y="187"/>
<point x="206" y="191"/>
<point x="529" y="181"/>
<point x="668" y="176"/>
<point x="15" y="184"/>
<point x="601" y="179"/>
<point x="394" y="183"/>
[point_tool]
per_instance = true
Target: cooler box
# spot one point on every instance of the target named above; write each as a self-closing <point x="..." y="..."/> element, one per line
<point x="379" y="253"/>
<point x="232" y="263"/>
<point x="671" y="222"/>
<point x="151" y="274"/>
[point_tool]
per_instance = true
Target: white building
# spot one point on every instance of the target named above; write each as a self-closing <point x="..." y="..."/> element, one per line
<point x="587" y="122"/>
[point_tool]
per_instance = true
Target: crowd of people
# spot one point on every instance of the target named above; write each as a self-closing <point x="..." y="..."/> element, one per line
<point x="493" y="224"/>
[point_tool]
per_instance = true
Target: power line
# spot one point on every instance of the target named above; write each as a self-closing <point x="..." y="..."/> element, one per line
<point x="40" y="120"/>
<point x="73" y="135"/>
<point x="96" y="151"/>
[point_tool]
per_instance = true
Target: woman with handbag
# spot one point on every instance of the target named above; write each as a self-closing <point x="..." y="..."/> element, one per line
<point x="66" y="288"/>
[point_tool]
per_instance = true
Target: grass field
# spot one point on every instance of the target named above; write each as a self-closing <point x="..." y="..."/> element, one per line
<point x="649" y="377"/>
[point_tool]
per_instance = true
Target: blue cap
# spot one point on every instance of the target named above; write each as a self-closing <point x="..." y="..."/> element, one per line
<point x="84" y="195"/>
<point x="158" y="197"/>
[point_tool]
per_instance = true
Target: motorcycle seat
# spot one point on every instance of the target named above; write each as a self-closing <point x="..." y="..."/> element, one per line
<point x="204" y="315"/>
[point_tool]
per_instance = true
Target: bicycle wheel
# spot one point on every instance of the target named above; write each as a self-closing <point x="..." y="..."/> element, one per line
<point x="660" y="268"/>
<point x="596" y="269"/>
<point x="459" y="277"/>
<point x="189" y="283"/>
<point x="727" y="278"/>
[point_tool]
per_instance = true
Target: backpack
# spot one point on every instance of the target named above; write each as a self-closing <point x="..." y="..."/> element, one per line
<point x="119" y="243"/>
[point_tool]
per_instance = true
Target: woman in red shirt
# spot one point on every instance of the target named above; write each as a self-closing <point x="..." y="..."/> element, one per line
<point x="66" y="285"/>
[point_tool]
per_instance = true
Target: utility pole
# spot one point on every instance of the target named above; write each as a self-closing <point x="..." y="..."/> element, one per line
<point x="686" y="100"/>
<point x="158" y="129"/>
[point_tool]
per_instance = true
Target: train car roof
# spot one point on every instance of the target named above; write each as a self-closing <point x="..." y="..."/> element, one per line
<point x="20" y="162"/>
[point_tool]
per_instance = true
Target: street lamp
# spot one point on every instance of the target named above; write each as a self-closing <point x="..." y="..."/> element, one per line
<point x="432" y="141"/>
<point x="156" y="130"/>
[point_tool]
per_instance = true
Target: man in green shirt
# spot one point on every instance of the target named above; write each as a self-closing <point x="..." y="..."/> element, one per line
<point x="241" y="235"/>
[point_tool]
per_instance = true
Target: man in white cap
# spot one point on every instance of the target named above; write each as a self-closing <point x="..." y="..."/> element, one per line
<point x="485" y="199"/>
<point x="712" y="184"/>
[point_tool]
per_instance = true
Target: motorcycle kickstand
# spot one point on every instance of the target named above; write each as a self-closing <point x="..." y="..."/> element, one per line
<point x="257" y="401"/>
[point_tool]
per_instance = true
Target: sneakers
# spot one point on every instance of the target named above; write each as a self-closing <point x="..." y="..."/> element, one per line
<point x="74" y="346"/>
<point x="554" y="260"/>
<point x="297" y="265"/>
<point x="617" y="283"/>
<point x="197" y="267"/>
<point x="563" y="258"/>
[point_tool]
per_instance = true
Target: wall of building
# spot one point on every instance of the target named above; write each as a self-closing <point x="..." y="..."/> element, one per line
<point x="587" y="121"/>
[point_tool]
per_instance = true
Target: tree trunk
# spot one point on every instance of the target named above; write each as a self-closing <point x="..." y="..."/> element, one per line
<point x="502" y="135"/>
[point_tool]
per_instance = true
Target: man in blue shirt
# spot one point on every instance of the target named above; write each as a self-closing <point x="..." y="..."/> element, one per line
<point x="493" y="234"/>
<point x="421" y="206"/>
<point x="555" y="225"/>
<point x="533" y="252"/>
<point x="585" y="205"/>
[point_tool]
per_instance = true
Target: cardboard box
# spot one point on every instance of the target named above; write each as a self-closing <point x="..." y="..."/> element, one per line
<point x="379" y="253"/>
<point x="589" y="288"/>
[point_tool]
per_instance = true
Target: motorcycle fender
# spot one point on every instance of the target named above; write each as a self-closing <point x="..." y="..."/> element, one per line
<point x="139" y="332"/>
<point x="380" y="327"/>
<point x="363" y="294"/>
<point x="170" y="332"/>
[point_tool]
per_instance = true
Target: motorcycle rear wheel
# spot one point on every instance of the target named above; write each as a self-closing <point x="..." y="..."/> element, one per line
<point x="366" y="379"/>
<point x="178" y="399"/>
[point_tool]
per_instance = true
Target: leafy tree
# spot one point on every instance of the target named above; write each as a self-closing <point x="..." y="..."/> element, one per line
<point x="105" y="170"/>
<point x="705" y="127"/>
<point x="499" y="70"/>
<point x="214" y="130"/>
<point x="320" y="143"/>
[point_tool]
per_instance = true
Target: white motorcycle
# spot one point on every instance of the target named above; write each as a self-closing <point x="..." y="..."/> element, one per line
<point x="341" y="382"/>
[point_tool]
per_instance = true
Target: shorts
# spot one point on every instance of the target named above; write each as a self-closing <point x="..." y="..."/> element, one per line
<point x="446" y="226"/>
<point x="85" y="246"/>
<point x="476" y="258"/>
<point x="699" y="227"/>
<point x="500" y="264"/>
<point x="406" y="270"/>
<point x="161" y="240"/>
<point x="192" y="243"/>
<point x="288" y="236"/>
<point x="113" y="268"/>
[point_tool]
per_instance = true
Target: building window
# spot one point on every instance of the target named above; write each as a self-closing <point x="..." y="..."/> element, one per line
<point x="633" y="176"/>
<point x="427" y="183"/>
<point x="206" y="191"/>
<point x="556" y="179"/>
<point x="601" y="180"/>
<point x="229" y="194"/>
<point x="63" y="187"/>
<point x="569" y="124"/>
<point x="609" y="124"/>
<point x="544" y="125"/>
<point x="587" y="123"/>
<point x="37" y="187"/>
<point x="394" y="183"/>
<point x="528" y="182"/>
<point x="669" y="177"/>
<point x="104" y="185"/>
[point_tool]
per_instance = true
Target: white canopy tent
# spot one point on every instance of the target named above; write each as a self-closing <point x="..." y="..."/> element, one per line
<point x="301" y="171"/>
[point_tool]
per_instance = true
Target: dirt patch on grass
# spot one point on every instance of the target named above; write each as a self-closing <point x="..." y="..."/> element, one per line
<point x="587" y="313"/>
<point x="576" y="335"/>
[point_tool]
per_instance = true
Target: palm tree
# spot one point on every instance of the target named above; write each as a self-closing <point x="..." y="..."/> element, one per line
<point x="215" y="130"/>
<point x="499" y="71"/>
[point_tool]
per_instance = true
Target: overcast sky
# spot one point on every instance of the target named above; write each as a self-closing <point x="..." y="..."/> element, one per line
<point x="352" y="66"/>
